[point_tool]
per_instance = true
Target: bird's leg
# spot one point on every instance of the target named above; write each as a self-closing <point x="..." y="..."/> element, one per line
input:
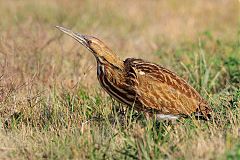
<point x="148" y="116"/>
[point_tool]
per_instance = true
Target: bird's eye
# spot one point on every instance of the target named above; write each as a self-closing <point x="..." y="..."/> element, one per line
<point x="89" y="42"/>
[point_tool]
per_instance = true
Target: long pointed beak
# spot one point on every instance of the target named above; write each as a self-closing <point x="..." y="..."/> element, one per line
<point x="77" y="36"/>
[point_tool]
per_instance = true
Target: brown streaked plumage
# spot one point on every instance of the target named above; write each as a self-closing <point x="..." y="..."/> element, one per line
<point x="146" y="86"/>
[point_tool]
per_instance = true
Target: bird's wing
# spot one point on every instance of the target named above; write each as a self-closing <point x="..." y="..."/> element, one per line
<point x="160" y="89"/>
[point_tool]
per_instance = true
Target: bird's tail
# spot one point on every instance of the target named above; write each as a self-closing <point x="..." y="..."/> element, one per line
<point x="204" y="111"/>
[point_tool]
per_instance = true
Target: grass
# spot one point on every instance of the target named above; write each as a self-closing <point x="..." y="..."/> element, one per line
<point x="52" y="107"/>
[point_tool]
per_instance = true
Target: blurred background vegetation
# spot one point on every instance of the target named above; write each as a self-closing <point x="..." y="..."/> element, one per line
<point x="49" y="89"/>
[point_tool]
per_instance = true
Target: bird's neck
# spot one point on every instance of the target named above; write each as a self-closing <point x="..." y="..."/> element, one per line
<point x="118" y="63"/>
<point x="113" y="82"/>
<point x="112" y="72"/>
<point x="111" y="59"/>
<point x="115" y="62"/>
<point x="108" y="68"/>
<point x="100" y="69"/>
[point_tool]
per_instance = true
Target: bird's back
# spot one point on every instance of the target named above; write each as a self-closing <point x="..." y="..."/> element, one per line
<point x="161" y="90"/>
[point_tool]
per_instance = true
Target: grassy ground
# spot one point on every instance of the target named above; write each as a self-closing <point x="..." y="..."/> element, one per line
<point x="52" y="107"/>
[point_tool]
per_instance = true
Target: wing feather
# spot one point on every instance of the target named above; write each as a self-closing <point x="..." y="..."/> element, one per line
<point x="160" y="89"/>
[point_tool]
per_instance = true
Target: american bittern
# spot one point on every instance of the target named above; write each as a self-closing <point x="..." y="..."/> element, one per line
<point x="146" y="86"/>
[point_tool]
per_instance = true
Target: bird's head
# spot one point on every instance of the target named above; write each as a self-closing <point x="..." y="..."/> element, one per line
<point x="102" y="53"/>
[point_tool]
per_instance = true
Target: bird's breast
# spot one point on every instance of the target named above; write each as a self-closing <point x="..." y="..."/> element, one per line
<point x="100" y="70"/>
<point x="113" y="83"/>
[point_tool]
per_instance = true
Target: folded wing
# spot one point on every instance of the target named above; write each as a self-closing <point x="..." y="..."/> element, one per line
<point x="160" y="89"/>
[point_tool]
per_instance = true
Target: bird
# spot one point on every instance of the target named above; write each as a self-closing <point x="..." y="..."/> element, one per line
<point x="147" y="87"/>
